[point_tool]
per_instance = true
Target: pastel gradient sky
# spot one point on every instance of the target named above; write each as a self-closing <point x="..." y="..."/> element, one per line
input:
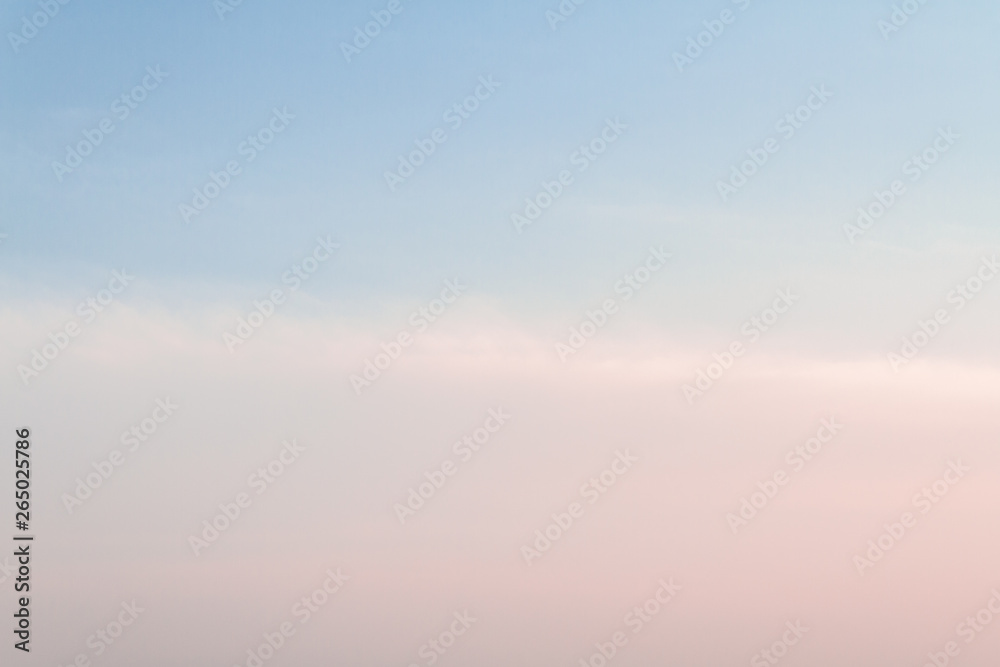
<point x="655" y="186"/>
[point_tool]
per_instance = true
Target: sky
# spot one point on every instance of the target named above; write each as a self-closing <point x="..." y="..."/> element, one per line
<point x="625" y="239"/>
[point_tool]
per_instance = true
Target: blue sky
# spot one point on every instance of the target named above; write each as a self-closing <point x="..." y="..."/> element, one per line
<point x="325" y="174"/>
